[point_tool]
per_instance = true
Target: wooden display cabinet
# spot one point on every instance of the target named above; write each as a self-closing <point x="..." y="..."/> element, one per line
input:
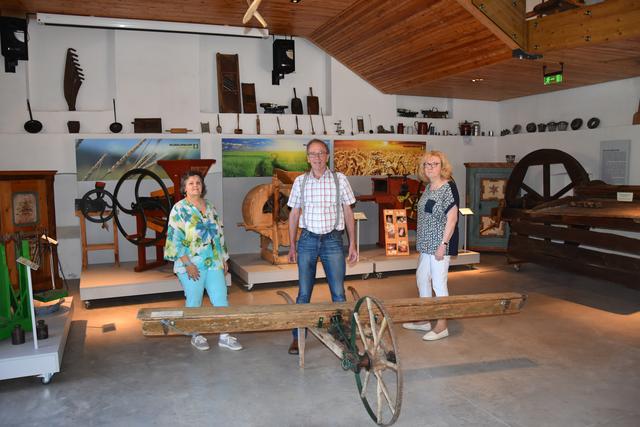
<point x="486" y="183"/>
<point x="27" y="206"/>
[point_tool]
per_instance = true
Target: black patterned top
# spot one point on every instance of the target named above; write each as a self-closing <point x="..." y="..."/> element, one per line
<point x="432" y="218"/>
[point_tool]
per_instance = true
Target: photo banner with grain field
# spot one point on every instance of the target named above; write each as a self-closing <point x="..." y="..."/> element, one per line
<point x="256" y="157"/>
<point x="107" y="159"/>
<point x="377" y="157"/>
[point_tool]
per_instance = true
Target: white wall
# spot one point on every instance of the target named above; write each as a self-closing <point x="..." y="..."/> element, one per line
<point x="172" y="76"/>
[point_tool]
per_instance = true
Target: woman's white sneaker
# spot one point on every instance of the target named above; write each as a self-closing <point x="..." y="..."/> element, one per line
<point x="229" y="342"/>
<point x="200" y="342"/>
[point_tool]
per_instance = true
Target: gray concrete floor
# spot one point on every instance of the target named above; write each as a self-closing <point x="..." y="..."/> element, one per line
<point x="571" y="358"/>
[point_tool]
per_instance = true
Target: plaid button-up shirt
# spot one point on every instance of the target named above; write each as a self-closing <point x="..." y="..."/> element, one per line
<point x="320" y="209"/>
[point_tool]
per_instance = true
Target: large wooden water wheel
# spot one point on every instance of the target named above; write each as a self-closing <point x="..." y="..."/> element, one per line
<point x="545" y="158"/>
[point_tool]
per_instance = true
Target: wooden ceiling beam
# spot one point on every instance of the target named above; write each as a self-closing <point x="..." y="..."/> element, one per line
<point x="601" y="23"/>
<point x="504" y="18"/>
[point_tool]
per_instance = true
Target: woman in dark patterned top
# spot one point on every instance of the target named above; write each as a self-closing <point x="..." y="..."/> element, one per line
<point x="437" y="235"/>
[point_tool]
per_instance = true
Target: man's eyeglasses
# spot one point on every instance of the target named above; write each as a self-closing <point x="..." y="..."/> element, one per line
<point x="317" y="155"/>
<point x="430" y="165"/>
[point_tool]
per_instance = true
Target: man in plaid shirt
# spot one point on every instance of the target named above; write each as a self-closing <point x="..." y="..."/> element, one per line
<point x="323" y="212"/>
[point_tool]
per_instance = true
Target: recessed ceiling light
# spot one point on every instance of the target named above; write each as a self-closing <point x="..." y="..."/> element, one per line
<point x="477" y="80"/>
<point x="295" y="1"/>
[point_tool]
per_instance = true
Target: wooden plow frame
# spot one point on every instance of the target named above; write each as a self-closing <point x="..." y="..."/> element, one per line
<point x="360" y="334"/>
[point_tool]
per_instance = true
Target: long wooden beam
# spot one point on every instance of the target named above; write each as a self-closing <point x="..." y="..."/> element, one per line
<point x="603" y="22"/>
<point x="253" y="318"/>
<point x="504" y="18"/>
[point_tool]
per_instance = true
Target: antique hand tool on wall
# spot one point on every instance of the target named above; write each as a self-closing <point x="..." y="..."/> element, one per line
<point x="324" y="128"/>
<point x="115" y="127"/>
<point x="313" y="131"/>
<point x="249" y="98"/>
<point x="32" y="126"/>
<point x="280" y="131"/>
<point x="228" y="83"/>
<point x="257" y="124"/>
<point x="351" y="125"/>
<point x="73" y="78"/>
<point x="297" y="131"/>
<point x="370" y="125"/>
<point x="237" y="131"/>
<point x="218" y="128"/>
<point x="296" y="103"/>
<point x="312" y="103"/>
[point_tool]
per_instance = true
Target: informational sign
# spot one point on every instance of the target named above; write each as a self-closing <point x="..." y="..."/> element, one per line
<point x="614" y="162"/>
<point x="396" y="232"/>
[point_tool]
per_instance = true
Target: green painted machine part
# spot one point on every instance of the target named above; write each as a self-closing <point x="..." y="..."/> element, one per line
<point x="14" y="305"/>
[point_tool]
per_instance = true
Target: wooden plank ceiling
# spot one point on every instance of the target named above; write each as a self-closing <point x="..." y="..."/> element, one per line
<point x="408" y="47"/>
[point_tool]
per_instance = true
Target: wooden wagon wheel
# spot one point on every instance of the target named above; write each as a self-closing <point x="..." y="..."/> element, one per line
<point x="544" y="158"/>
<point x="378" y="374"/>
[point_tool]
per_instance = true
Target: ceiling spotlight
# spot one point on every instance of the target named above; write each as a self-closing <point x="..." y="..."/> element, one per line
<point x="477" y="80"/>
<point x="295" y="1"/>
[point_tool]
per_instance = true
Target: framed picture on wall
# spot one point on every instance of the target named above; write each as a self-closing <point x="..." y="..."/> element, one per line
<point x="25" y="208"/>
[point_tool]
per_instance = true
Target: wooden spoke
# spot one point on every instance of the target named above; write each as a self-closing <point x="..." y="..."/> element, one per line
<point x="390" y="365"/>
<point x="378" y="339"/>
<point x="564" y="190"/>
<point x="361" y="332"/>
<point x="385" y="392"/>
<point x="372" y="320"/>
<point x="364" y="384"/>
<point x="531" y="191"/>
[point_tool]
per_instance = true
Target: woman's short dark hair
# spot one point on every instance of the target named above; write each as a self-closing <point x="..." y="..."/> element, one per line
<point x="189" y="174"/>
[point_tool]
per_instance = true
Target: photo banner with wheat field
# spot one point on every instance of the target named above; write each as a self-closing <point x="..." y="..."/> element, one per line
<point x="257" y="157"/>
<point x="107" y="159"/>
<point x="376" y="157"/>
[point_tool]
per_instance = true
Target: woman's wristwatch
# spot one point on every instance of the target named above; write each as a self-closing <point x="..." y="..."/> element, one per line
<point x="446" y="245"/>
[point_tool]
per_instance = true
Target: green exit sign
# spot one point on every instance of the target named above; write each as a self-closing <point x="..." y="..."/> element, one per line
<point x="553" y="78"/>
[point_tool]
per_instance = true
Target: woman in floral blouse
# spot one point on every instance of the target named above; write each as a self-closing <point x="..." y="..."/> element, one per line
<point x="195" y="243"/>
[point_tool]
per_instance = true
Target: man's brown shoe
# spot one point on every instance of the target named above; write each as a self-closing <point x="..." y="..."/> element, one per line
<point x="293" y="348"/>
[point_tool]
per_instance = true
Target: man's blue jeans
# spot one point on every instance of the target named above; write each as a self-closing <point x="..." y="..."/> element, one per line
<point x="329" y="248"/>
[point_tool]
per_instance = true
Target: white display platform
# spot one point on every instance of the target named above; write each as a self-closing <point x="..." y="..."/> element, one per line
<point x="108" y="281"/>
<point x="23" y="360"/>
<point x="251" y="269"/>
<point x="384" y="263"/>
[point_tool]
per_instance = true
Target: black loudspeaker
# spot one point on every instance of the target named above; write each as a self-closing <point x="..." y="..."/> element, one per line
<point x="13" y="38"/>
<point x="284" y="59"/>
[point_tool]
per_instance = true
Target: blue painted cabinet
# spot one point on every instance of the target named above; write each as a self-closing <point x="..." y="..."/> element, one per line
<point x="486" y="183"/>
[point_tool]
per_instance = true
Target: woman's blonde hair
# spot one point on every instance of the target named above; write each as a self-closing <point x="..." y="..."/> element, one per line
<point x="446" y="171"/>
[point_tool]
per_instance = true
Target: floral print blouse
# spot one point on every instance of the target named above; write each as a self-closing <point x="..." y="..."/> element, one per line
<point x="198" y="236"/>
